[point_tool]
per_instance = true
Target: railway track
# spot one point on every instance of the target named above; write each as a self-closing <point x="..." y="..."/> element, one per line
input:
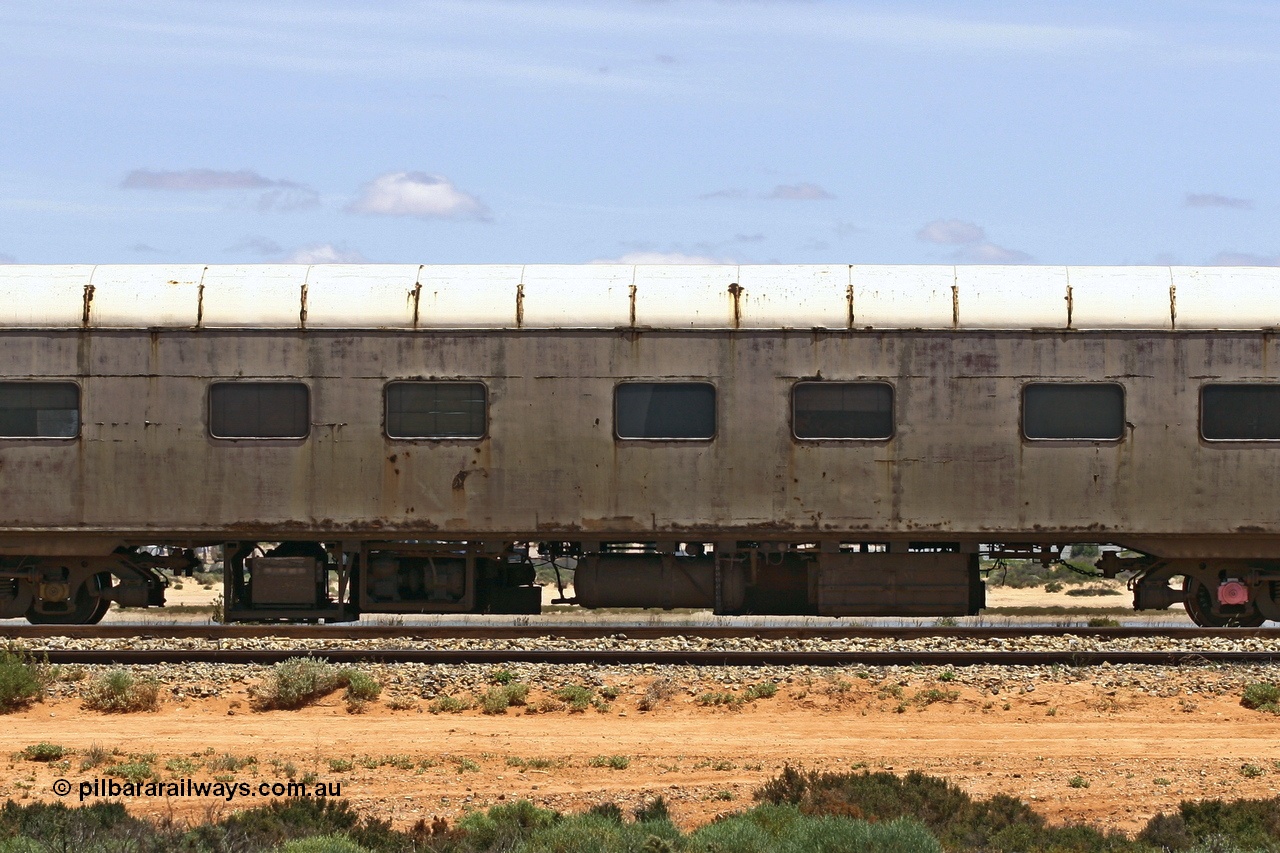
<point x="571" y="631"/>
<point x="614" y="657"/>
<point x="623" y="645"/>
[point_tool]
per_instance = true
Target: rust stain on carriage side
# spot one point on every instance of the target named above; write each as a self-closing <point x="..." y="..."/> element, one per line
<point x="88" y="305"/>
<point x="735" y="292"/>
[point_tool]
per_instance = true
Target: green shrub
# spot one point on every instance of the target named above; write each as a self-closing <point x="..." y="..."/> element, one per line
<point x="763" y="690"/>
<point x="448" y="705"/>
<point x="928" y="697"/>
<point x="719" y="697"/>
<point x="361" y="688"/>
<point x="295" y="683"/>
<point x="503" y="827"/>
<point x="120" y="692"/>
<point x="785" y="829"/>
<point x="22" y="680"/>
<point x="654" y="811"/>
<point x="577" y="697"/>
<point x="323" y="844"/>
<point x="132" y="771"/>
<point x="1262" y="697"/>
<point x="43" y="751"/>
<point x="615" y="762"/>
<point x="496" y="700"/>
<point x="658" y="691"/>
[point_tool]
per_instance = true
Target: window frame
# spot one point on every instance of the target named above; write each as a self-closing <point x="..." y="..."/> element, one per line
<point x="461" y="380"/>
<point x="79" y="410"/>
<point x="893" y="410"/>
<point x="715" y="411"/>
<point x="255" y="381"/>
<point x="1022" y="412"/>
<point x="1231" y="441"/>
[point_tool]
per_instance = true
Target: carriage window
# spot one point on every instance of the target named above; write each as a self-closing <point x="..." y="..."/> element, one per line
<point x="842" y="409"/>
<point x="1090" y="411"/>
<point x="665" y="410"/>
<point x="436" y="409"/>
<point x="259" y="410"/>
<point x="39" y="410"/>
<point x="1240" y="412"/>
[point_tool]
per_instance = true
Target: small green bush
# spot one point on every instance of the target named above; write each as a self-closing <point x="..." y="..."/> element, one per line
<point x="132" y="771"/>
<point x="577" y="697"/>
<point x="22" y="680"/>
<point x="323" y="844"/>
<point x="43" y="751"/>
<point x="933" y="695"/>
<point x="614" y="762"/>
<point x="448" y="705"/>
<point x="1262" y="697"/>
<point x="719" y="697"/>
<point x="658" y="691"/>
<point x="763" y="690"/>
<point x="120" y="692"/>
<point x="361" y="688"/>
<point x="295" y="683"/>
<point x="496" y="700"/>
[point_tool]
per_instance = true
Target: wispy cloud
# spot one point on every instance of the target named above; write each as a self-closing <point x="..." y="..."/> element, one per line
<point x="264" y="246"/>
<point x="748" y="238"/>
<point x="1215" y="200"/>
<point x="661" y="258"/>
<point x="725" y="193"/>
<point x="143" y="248"/>
<point x="194" y="180"/>
<point x="973" y="243"/>
<point x="417" y="194"/>
<point x="1244" y="259"/>
<point x="281" y="195"/>
<point x="799" y="192"/>
<point x="951" y="232"/>
<point x="324" y="253"/>
<point x="990" y="253"/>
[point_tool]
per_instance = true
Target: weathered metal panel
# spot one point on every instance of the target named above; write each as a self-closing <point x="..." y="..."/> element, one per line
<point x="956" y="467"/>
<point x="253" y="295"/>
<point x="1120" y="297"/>
<point x="794" y="296"/>
<point x="343" y="296"/>
<point x="903" y="297"/>
<point x="146" y="296"/>
<point x="565" y="296"/>
<point x="43" y="296"/>
<point x="685" y="297"/>
<point x="1003" y="297"/>
<point x="470" y="297"/>
<point x="1226" y="297"/>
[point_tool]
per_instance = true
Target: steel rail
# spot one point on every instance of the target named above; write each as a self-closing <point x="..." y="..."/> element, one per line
<point x="613" y="657"/>
<point x="589" y="632"/>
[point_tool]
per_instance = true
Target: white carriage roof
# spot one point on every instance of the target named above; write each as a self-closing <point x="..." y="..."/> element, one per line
<point x="609" y="296"/>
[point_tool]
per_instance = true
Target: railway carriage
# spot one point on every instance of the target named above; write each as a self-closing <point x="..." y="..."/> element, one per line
<point x="837" y="440"/>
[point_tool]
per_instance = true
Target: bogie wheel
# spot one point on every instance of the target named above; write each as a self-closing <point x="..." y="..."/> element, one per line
<point x="1197" y="597"/>
<point x="89" y="607"/>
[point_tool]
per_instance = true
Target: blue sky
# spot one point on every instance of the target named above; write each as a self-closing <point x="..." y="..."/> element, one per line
<point x="479" y="131"/>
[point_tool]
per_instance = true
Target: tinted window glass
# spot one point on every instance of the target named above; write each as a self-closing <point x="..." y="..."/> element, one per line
<point x="665" y="410"/>
<point x="259" y="410"/>
<point x="1066" y="410"/>
<point x="1240" y="412"/>
<point x="436" y="410"/>
<point x="39" y="410"/>
<point x="842" y="409"/>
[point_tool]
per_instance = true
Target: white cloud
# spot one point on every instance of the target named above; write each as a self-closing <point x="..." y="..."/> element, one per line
<point x="1244" y="259"/>
<point x="417" y="194"/>
<point x="990" y="253"/>
<point x="289" y="197"/>
<point x="951" y="232"/>
<point x="324" y="253"/>
<point x="800" y="192"/>
<point x="1215" y="200"/>
<point x="661" y="258"/>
